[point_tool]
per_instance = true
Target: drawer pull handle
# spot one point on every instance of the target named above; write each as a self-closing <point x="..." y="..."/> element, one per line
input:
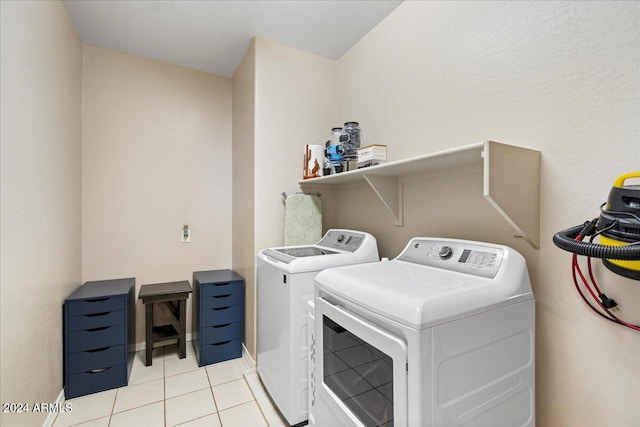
<point x="98" y="350"/>
<point x="222" y="308"/>
<point x="222" y="343"/>
<point x="221" y="326"/>
<point x="97" y="329"/>
<point x="222" y="296"/>
<point x="97" y="371"/>
<point x="97" y="300"/>
<point x="98" y="314"/>
<point x="222" y="284"/>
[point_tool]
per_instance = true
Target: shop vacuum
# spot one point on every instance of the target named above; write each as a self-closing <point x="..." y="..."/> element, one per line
<point x="618" y="229"/>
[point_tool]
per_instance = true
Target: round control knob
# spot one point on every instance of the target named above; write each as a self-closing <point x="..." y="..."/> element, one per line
<point x="340" y="238"/>
<point x="445" y="252"/>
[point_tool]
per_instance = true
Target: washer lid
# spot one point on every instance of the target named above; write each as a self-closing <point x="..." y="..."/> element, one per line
<point x="420" y="294"/>
<point x="292" y="265"/>
<point x="288" y="254"/>
<point x="337" y="247"/>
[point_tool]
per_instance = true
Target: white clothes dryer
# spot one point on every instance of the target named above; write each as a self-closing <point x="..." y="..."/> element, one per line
<point x="285" y="283"/>
<point x="443" y="335"/>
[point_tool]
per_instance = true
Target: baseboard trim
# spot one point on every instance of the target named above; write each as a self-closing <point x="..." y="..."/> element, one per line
<point x="51" y="418"/>
<point x="247" y="357"/>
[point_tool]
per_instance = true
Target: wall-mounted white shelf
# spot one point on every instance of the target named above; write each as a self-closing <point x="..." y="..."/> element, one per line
<point x="511" y="181"/>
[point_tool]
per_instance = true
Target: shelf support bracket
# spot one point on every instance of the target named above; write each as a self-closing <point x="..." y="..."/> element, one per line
<point x="512" y="187"/>
<point x="389" y="190"/>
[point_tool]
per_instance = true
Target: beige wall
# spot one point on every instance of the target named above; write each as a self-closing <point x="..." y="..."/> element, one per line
<point x="295" y="106"/>
<point x="41" y="74"/>
<point x="156" y="154"/>
<point x="558" y="77"/>
<point x="243" y="186"/>
<point x="292" y="96"/>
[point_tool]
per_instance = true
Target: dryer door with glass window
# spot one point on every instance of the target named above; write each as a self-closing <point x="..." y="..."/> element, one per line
<point x="362" y="370"/>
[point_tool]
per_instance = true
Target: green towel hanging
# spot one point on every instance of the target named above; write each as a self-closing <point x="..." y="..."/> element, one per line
<point x="302" y="219"/>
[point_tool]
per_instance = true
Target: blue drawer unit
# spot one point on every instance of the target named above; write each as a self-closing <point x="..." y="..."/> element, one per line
<point x="99" y="336"/>
<point x="218" y="315"/>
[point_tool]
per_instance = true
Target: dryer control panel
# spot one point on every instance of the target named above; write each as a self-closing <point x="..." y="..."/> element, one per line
<point x="455" y="255"/>
<point x="342" y="239"/>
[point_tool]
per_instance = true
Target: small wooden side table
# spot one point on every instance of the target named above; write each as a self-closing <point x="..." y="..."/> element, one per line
<point x="171" y="299"/>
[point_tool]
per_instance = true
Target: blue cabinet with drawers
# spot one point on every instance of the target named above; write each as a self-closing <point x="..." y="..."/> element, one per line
<point x="99" y="336"/>
<point x="218" y="315"/>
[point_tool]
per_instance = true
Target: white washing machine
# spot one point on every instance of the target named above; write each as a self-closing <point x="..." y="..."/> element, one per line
<point x="285" y="283"/>
<point x="443" y="335"/>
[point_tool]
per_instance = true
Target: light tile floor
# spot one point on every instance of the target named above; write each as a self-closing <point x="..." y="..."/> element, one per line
<point x="176" y="392"/>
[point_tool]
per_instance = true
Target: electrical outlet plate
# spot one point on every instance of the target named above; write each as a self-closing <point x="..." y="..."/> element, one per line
<point x="185" y="234"/>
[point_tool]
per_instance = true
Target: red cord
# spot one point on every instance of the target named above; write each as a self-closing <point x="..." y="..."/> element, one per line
<point x="593" y="280"/>
<point x="575" y="268"/>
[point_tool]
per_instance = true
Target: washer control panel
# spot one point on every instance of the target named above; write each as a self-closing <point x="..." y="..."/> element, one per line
<point x="342" y="239"/>
<point x="460" y="256"/>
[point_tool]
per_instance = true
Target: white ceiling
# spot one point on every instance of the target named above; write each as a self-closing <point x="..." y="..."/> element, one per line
<point x="213" y="36"/>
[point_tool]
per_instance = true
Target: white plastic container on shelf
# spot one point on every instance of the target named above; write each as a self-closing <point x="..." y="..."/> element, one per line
<point x="371" y="155"/>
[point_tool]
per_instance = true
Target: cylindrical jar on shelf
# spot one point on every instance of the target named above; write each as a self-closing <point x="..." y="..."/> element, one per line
<point x="354" y="138"/>
<point x="335" y="136"/>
